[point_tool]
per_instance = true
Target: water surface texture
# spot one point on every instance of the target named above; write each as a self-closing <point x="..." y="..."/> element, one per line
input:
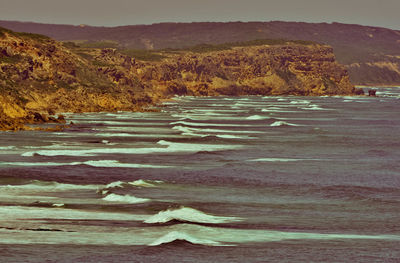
<point x="211" y="179"/>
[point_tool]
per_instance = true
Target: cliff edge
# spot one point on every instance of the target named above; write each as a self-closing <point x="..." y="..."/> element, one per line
<point x="40" y="77"/>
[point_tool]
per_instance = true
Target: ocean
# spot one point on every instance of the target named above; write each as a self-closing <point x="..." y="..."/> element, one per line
<point x="209" y="179"/>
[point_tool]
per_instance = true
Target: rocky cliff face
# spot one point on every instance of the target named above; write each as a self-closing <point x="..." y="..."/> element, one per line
<point x="40" y="77"/>
<point x="256" y="70"/>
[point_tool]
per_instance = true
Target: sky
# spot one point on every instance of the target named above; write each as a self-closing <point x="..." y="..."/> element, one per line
<point x="382" y="13"/>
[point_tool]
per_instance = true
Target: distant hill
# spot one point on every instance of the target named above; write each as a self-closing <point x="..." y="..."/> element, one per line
<point x="371" y="54"/>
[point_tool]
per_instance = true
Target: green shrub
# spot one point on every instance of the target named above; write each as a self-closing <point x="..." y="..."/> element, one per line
<point x="70" y="44"/>
<point x="24" y="35"/>
<point x="85" y="55"/>
<point x="37" y="37"/>
<point x="202" y="48"/>
<point x="11" y="60"/>
<point x="99" y="44"/>
<point x="285" y="75"/>
<point x="98" y="63"/>
<point x="141" y="54"/>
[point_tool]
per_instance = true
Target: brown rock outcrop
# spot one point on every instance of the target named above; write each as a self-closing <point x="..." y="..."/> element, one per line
<point x="293" y="69"/>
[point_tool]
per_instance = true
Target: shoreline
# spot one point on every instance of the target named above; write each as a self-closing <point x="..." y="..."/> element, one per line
<point x="377" y="86"/>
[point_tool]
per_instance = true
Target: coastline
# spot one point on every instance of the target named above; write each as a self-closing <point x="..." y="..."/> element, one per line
<point x="378" y="86"/>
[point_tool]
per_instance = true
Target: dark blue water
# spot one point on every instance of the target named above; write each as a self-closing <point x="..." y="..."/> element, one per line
<point x="213" y="179"/>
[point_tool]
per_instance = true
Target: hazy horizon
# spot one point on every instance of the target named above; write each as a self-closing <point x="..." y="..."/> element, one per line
<point x="137" y="12"/>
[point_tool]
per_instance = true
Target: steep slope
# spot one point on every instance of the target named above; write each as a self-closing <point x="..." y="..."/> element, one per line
<point x="257" y="70"/>
<point x="371" y="54"/>
<point x="40" y="77"/>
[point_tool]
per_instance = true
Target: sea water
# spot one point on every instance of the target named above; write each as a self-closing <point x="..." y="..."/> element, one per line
<point x="209" y="179"/>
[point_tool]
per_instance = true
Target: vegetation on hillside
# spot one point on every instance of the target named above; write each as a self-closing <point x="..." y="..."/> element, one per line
<point x="24" y="35"/>
<point x="202" y="48"/>
<point x="352" y="43"/>
<point x="141" y="54"/>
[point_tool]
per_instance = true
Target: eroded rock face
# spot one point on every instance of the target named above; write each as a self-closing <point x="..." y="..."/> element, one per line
<point x="39" y="76"/>
<point x="259" y="70"/>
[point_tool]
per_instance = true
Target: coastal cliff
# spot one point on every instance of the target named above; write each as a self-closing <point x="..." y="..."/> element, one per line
<point x="289" y="69"/>
<point x="40" y="77"/>
<point x="370" y="54"/>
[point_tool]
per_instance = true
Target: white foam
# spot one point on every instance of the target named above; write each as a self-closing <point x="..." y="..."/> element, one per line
<point x="201" y="124"/>
<point x="58" y="205"/>
<point x="282" y="123"/>
<point x="115" y="163"/>
<point x="145" y="183"/>
<point x="229" y="136"/>
<point x="100" y="163"/>
<point x="129" y="199"/>
<point x="195" y="147"/>
<point x="177" y="235"/>
<point x="7" y="147"/>
<point x="140" y="183"/>
<point x="127" y="123"/>
<point x="150" y="130"/>
<point x="49" y="186"/>
<point x="115" y="184"/>
<point x="274" y="109"/>
<point x="200" y="117"/>
<point x="189" y="215"/>
<point x="32" y="164"/>
<point x="206" y="130"/>
<point x="109" y="234"/>
<point x="171" y="148"/>
<point x="300" y="102"/>
<point x="105" y="134"/>
<point x="214" y="111"/>
<point x="280" y="160"/>
<point x="257" y="117"/>
<point x="313" y="107"/>
<point x="24" y="212"/>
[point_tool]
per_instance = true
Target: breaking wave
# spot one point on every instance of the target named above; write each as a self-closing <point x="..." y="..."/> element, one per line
<point x="300" y="102"/>
<point x="50" y="186"/>
<point x="187" y="214"/>
<point x="257" y="117"/>
<point x="313" y="107"/>
<point x="171" y="147"/>
<point x="177" y="235"/>
<point x="100" y="163"/>
<point x="275" y="160"/>
<point x="282" y="123"/>
<point x="201" y="124"/>
<point x="7" y="147"/>
<point x="129" y="199"/>
<point x="140" y="183"/>
<point x="190" y="129"/>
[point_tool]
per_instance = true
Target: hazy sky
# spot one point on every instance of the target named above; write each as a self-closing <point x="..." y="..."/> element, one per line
<point x="383" y="13"/>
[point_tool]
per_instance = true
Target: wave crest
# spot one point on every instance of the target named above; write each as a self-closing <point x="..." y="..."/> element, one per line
<point x="257" y="117"/>
<point x="188" y="214"/>
<point x="282" y="123"/>
<point x="140" y="183"/>
<point x="176" y="235"/>
<point x="129" y="199"/>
